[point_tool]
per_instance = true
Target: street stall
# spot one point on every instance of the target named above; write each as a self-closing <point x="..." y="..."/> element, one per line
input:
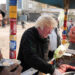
<point x="67" y="62"/>
<point x="63" y="59"/>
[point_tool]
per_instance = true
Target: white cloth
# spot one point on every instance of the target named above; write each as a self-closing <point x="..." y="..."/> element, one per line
<point x="57" y="72"/>
<point x="53" y="40"/>
<point x="30" y="71"/>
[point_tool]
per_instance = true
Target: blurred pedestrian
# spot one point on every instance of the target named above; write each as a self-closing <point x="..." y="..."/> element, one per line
<point x="69" y="28"/>
<point x="23" y="24"/>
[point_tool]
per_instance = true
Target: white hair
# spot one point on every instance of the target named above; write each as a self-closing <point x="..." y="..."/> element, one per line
<point x="45" y="20"/>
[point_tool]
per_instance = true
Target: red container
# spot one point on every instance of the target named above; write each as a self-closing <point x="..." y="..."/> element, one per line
<point x="12" y="54"/>
<point x="64" y="36"/>
<point x="65" y="23"/>
<point x="13" y="27"/>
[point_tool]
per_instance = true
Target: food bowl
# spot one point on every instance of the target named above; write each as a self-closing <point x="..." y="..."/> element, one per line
<point x="69" y="73"/>
<point x="7" y="63"/>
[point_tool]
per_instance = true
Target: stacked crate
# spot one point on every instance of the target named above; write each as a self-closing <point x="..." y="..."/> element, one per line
<point x="13" y="27"/>
<point x="64" y="37"/>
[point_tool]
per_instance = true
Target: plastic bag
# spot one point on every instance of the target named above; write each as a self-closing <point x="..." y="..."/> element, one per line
<point x="59" y="52"/>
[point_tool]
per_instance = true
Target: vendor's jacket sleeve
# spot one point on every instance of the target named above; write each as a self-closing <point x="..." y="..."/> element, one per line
<point x="32" y="58"/>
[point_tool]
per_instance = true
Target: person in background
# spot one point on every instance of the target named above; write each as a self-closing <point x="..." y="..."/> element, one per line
<point x="34" y="45"/>
<point x="4" y="23"/>
<point x="69" y="28"/>
<point x="71" y="35"/>
<point x="22" y="23"/>
<point x="2" y="14"/>
<point x="54" y="42"/>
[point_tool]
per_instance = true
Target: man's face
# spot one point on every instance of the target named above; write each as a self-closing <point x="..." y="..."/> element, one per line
<point x="46" y="30"/>
<point x="1" y="18"/>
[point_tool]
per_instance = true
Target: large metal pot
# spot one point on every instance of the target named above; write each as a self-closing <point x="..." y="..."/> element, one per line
<point x="69" y="73"/>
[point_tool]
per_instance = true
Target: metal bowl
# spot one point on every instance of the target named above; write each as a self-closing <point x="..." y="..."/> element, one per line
<point x="7" y="63"/>
<point x="69" y="73"/>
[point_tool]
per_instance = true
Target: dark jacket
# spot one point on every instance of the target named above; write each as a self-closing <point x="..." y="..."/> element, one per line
<point x="58" y="37"/>
<point x="31" y="52"/>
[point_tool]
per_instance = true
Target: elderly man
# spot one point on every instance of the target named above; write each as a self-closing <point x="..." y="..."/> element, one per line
<point x="34" y="46"/>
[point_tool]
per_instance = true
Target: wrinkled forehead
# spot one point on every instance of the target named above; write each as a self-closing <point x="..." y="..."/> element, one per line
<point x="1" y="17"/>
<point x="51" y="26"/>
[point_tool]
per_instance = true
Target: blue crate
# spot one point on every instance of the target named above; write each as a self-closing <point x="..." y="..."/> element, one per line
<point x="64" y="32"/>
<point x="12" y="45"/>
<point x="13" y="2"/>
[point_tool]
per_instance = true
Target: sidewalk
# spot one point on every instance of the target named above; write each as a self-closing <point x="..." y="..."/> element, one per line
<point x="4" y="38"/>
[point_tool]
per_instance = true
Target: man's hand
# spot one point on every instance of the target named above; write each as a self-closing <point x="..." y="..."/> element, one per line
<point x="18" y="70"/>
<point x="63" y="67"/>
<point x="7" y="71"/>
